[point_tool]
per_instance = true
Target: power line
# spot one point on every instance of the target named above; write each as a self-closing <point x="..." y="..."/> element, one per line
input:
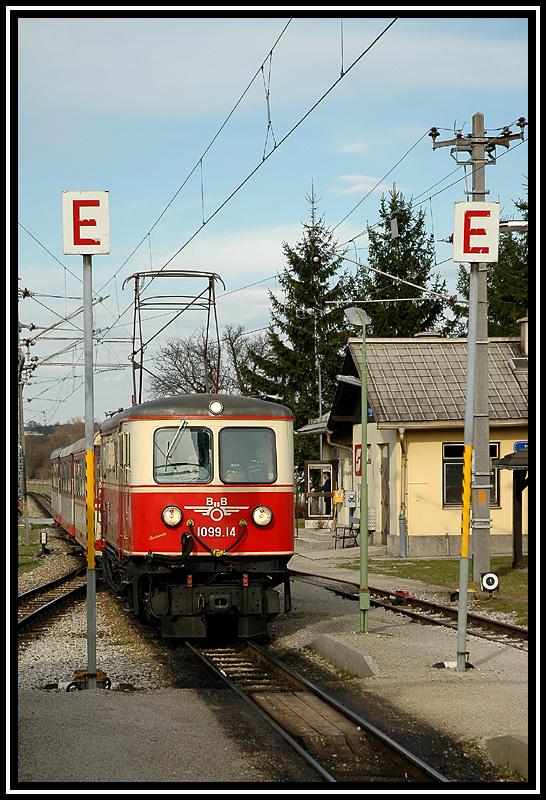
<point x="394" y="277"/>
<point x="200" y="160"/>
<point x="248" y="286"/>
<point x="422" y="202"/>
<point x="381" y="179"/>
<point x="285" y="137"/>
<point x="250" y="175"/>
<point x="34" y="294"/>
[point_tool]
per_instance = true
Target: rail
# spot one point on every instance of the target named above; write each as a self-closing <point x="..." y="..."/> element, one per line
<point x="338" y="744"/>
<point x="428" y="613"/>
<point x="49" y="596"/>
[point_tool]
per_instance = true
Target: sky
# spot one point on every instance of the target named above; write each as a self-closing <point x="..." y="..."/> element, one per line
<point x="172" y="110"/>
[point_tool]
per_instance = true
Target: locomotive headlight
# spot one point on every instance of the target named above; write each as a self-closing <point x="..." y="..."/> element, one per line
<point x="216" y="407"/>
<point x="262" y="516"/>
<point x="171" y="516"/>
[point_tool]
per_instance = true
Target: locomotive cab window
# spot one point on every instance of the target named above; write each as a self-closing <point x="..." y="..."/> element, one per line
<point x="182" y="454"/>
<point x="248" y="455"/>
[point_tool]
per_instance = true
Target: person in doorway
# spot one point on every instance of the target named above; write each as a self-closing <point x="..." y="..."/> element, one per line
<point x="327" y="487"/>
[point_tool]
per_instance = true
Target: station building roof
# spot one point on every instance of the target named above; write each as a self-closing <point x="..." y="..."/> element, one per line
<point x="422" y="380"/>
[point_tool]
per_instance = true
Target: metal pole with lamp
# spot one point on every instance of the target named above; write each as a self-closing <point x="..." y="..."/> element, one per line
<point x="357" y="316"/>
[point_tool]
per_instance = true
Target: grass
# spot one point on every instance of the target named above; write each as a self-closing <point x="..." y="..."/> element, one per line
<point x="513" y="583"/>
<point x="27" y="559"/>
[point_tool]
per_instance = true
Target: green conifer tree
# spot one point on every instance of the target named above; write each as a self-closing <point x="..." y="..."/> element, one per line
<point x="305" y="332"/>
<point x="410" y="256"/>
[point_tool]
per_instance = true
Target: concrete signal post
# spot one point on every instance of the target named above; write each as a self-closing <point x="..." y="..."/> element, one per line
<point x="357" y="316"/>
<point x="86" y="231"/>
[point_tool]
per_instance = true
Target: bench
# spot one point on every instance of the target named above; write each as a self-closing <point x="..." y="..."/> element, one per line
<point x="348" y="533"/>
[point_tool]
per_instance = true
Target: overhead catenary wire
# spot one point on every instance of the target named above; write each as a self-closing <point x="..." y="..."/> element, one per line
<point x="285" y="137"/>
<point x="199" y="163"/>
<point x="445" y="188"/>
<point x="427" y="199"/>
<point x="96" y="296"/>
<point x="357" y="262"/>
<point x="264" y="159"/>
<point x="200" y="159"/>
<point x="393" y="277"/>
<point x="260" y="164"/>
<point x="380" y="180"/>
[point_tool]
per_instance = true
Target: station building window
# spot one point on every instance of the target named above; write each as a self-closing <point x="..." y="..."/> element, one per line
<point x="452" y="474"/>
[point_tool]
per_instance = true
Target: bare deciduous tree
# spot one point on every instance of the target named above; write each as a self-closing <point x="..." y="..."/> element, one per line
<point x="187" y="366"/>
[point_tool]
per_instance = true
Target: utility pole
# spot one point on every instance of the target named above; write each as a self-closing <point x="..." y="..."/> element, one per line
<point x="481" y="149"/>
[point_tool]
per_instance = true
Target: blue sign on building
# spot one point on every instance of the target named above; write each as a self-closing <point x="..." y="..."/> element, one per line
<point x="519" y="446"/>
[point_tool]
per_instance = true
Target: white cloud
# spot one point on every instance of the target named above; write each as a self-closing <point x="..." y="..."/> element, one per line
<point x="360" y="184"/>
<point x="354" y="148"/>
<point x="186" y="67"/>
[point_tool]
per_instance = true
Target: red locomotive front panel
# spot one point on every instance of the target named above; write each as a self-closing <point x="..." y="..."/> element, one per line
<point x="197" y="511"/>
<point x="241" y="522"/>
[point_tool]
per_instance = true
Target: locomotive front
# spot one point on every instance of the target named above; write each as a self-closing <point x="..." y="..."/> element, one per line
<point x="197" y="511"/>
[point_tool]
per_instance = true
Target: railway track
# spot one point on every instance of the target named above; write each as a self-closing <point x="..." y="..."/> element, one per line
<point x="339" y="745"/>
<point x="38" y="603"/>
<point x="424" y="611"/>
<point x="43" y="501"/>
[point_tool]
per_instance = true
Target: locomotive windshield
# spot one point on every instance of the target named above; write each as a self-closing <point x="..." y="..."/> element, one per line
<point x="248" y="455"/>
<point x="182" y="454"/>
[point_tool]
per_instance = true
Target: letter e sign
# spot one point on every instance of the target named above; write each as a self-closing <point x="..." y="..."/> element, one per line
<point x="476" y="232"/>
<point x="86" y="223"/>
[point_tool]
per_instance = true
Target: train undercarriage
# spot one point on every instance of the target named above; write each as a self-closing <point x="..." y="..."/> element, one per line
<point x="194" y="596"/>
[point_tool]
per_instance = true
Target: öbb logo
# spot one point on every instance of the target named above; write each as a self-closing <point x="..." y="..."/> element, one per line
<point x="216" y="509"/>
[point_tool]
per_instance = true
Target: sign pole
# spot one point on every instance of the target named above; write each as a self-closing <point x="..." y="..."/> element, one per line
<point x="90" y="473"/>
<point x="88" y="235"/>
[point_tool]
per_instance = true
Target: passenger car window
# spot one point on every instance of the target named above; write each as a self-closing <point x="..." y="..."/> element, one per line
<point x="182" y="454"/>
<point x="248" y="455"/>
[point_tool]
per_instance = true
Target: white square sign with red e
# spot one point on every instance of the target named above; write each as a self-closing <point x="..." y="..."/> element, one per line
<point x="476" y="232"/>
<point x="86" y="223"/>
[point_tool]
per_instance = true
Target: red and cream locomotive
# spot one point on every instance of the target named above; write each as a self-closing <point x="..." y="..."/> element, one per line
<point x="195" y="501"/>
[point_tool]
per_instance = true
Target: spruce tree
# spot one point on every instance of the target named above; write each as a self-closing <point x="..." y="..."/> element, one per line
<point x="305" y="331"/>
<point x="507" y="284"/>
<point x="409" y="256"/>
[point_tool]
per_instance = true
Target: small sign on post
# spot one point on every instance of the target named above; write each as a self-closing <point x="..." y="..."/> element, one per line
<point x="476" y="232"/>
<point x="358" y="459"/>
<point x="86" y="223"/>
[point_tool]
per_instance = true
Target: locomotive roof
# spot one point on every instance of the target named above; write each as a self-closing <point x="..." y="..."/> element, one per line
<point x="197" y="405"/>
